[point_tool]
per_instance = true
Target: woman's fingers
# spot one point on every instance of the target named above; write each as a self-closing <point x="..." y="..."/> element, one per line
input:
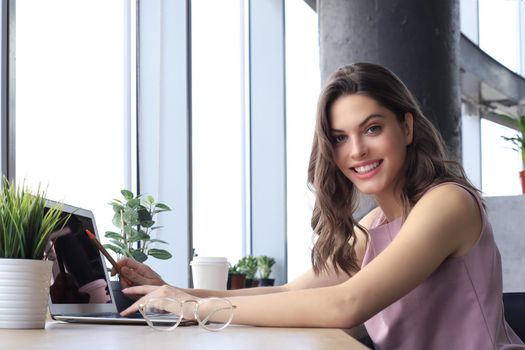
<point x="133" y="308"/>
<point x="140" y="290"/>
<point x="137" y="273"/>
<point x="147" y="292"/>
<point x="121" y="263"/>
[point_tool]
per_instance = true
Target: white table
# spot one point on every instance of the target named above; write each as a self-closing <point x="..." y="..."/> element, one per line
<point x="58" y="336"/>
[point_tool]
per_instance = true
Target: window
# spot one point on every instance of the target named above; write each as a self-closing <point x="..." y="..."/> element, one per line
<point x="499" y="28"/>
<point x="302" y="91"/>
<point x="499" y="162"/>
<point x="217" y="128"/>
<point x="72" y="100"/>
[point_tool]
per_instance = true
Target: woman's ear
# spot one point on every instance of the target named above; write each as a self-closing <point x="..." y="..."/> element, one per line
<point x="409" y="128"/>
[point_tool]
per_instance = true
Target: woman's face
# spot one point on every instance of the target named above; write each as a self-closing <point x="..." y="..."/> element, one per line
<point x="369" y="143"/>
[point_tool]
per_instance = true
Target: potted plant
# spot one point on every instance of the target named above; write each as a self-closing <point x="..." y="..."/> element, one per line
<point x="134" y="216"/>
<point x="236" y="279"/>
<point x="264" y="266"/>
<point x="248" y="266"/>
<point x="25" y="226"/>
<point x="518" y="141"/>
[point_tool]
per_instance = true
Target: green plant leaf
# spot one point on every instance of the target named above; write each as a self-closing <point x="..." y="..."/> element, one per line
<point x="128" y="195"/>
<point x="138" y="236"/>
<point x="117" y="220"/>
<point x="159" y="253"/>
<point x="519" y="140"/>
<point x="144" y="215"/>
<point x="133" y="203"/>
<point x="25" y="222"/>
<point x="114" y="248"/>
<point x="264" y="265"/>
<point x="128" y="230"/>
<point x="139" y="256"/>
<point x="119" y="244"/>
<point x="147" y="223"/>
<point x="117" y="208"/>
<point x="150" y="199"/>
<point x="162" y="206"/>
<point x="114" y="235"/>
<point x="130" y="216"/>
<point x="248" y="266"/>
<point x="144" y="236"/>
<point x="133" y="234"/>
<point x="156" y="240"/>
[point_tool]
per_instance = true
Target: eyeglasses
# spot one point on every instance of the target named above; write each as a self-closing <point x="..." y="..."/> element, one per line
<point x="165" y="314"/>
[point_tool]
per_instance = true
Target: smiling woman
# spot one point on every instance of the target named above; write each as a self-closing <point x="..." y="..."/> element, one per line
<point x="421" y="270"/>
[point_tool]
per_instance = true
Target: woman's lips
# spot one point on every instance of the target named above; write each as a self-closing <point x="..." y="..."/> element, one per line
<point x="368" y="170"/>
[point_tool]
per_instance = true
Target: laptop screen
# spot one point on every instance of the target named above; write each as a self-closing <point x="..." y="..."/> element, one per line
<point x="79" y="275"/>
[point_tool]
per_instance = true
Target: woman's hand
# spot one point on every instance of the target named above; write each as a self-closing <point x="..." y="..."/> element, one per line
<point x="150" y="292"/>
<point x="137" y="273"/>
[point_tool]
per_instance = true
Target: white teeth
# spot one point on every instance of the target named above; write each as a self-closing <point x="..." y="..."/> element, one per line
<point x="366" y="168"/>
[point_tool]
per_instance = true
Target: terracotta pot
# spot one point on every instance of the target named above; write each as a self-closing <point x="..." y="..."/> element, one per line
<point x="522" y="175"/>
<point x="236" y="281"/>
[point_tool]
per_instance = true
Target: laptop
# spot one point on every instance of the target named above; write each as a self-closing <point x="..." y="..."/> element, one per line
<point x="80" y="288"/>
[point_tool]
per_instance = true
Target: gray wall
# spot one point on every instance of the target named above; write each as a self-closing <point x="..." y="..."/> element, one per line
<point x="507" y="216"/>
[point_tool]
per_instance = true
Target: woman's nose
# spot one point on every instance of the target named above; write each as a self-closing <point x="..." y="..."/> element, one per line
<point x="358" y="149"/>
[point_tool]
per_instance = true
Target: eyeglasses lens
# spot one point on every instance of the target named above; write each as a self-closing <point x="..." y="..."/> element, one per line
<point x="163" y="314"/>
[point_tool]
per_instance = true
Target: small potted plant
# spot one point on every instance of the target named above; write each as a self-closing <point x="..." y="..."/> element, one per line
<point x="236" y="279"/>
<point x="248" y="266"/>
<point x="25" y="226"/>
<point x="264" y="266"/>
<point x="518" y="141"/>
<point x="134" y="216"/>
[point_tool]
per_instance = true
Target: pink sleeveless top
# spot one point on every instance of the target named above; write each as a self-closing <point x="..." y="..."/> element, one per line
<point x="459" y="307"/>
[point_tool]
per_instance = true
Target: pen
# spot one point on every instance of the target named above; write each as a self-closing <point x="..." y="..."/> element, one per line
<point x="106" y="254"/>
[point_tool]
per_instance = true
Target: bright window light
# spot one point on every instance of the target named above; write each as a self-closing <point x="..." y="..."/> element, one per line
<point x="500" y="164"/>
<point x="70" y="101"/>
<point x="499" y="31"/>
<point x="217" y="127"/>
<point x="302" y="90"/>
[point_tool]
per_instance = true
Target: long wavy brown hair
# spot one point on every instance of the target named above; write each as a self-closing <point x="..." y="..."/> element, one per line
<point x="336" y="199"/>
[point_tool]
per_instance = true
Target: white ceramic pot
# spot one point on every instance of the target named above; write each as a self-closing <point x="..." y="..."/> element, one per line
<point x="24" y="292"/>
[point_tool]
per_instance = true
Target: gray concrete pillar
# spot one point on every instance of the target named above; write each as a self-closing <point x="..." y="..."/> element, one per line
<point x="417" y="40"/>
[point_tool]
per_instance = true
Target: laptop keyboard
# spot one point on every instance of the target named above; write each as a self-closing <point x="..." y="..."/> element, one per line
<point x="111" y="315"/>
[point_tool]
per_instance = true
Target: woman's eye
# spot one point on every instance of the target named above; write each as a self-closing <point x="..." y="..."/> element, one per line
<point x="374" y="129"/>
<point x="338" y="139"/>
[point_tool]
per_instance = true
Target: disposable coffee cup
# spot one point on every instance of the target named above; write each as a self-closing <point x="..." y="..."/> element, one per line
<point x="209" y="272"/>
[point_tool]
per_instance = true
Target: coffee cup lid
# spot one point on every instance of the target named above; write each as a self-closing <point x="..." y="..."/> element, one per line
<point x="208" y="260"/>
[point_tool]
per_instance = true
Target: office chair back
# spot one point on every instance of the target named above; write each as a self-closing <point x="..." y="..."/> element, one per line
<point x="514" y="304"/>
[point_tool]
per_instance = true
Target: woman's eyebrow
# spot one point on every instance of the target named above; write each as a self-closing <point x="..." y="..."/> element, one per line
<point x="371" y="116"/>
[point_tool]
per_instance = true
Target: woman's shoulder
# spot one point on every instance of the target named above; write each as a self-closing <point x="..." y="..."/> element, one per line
<point x="452" y="192"/>
<point x="452" y="209"/>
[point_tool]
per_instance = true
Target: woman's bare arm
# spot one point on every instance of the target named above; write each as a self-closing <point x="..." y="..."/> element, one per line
<point x="444" y="223"/>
